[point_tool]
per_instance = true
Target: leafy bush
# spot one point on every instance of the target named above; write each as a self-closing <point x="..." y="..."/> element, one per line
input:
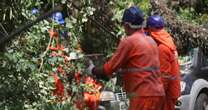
<point x="26" y="80"/>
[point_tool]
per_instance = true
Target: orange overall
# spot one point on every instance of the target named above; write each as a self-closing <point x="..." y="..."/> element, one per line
<point x="144" y="87"/>
<point x="169" y="67"/>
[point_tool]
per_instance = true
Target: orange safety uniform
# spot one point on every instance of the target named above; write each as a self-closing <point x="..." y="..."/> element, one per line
<point x="169" y="67"/>
<point x="144" y="87"/>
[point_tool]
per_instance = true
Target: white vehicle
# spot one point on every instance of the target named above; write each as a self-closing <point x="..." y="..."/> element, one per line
<point x="194" y="84"/>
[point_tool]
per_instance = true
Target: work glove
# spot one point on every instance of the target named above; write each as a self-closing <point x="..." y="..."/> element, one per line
<point x="97" y="71"/>
<point x="90" y="67"/>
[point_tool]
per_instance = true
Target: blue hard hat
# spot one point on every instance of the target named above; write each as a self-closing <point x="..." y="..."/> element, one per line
<point x="133" y="15"/>
<point x="58" y="17"/>
<point x="35" y="11"/>
<point x="155" y="21"/>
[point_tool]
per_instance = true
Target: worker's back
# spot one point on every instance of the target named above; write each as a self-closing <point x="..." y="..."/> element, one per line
<point x="143" y="53"/>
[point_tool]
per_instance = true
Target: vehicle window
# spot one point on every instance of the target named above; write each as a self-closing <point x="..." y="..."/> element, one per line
<point x="186" y="60"/>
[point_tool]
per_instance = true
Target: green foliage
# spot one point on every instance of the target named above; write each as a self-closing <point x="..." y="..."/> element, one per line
<point x="189" y="14"/>
<point x="22" y="81"/>
<point x="13" y="12"/>
<point x="26" y="80"/>
<point x="120" y="6"/>
<point x="203" y="19"/>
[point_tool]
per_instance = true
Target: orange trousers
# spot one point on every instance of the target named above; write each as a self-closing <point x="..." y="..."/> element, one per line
<point x="171" y="93"/>
<point x="146" y="103"/>
<point x="169" y="104"/>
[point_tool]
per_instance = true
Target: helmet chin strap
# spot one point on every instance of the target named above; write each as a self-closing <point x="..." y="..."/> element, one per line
<point x="134" y="26"/>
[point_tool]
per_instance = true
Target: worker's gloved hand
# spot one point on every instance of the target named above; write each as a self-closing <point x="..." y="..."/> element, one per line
<point x="90" y="67"/>
<point x="97" y="71"/>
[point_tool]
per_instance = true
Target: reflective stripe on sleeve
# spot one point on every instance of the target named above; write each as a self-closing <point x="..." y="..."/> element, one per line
<point x="131" y="70"/>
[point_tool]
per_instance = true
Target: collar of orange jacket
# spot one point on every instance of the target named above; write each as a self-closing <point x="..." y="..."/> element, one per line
<point x="163" y="37"/>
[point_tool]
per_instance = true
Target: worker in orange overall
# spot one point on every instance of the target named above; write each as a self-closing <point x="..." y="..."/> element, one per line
<point x="137" y="61"/>
<point x="168" y="56"/>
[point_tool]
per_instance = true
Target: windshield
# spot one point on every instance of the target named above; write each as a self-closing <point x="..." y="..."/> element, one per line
<point x="186" y="60"/>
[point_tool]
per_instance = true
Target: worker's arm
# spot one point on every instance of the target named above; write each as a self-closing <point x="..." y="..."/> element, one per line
<point x="165" y="59"/>
<point x="119" y="58"/>
<point x="165" y="65"/>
